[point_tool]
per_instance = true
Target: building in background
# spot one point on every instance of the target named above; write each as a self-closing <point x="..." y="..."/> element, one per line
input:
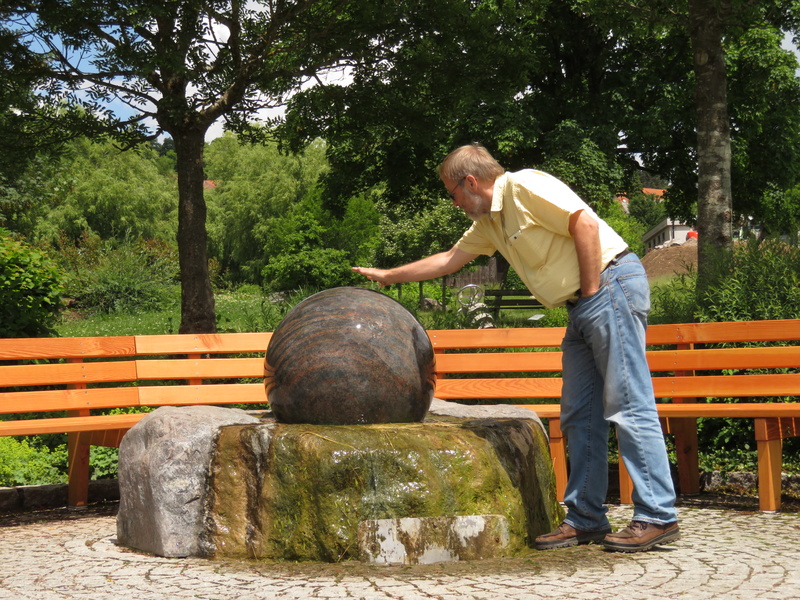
<point x="667" y="233"/>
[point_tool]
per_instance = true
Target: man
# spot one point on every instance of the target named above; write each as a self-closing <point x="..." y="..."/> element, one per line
<point x="566" y="254"/>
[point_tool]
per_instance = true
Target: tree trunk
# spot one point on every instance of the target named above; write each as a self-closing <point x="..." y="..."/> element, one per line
<point x="197" y="299"/>
<point x="714" y="205"/>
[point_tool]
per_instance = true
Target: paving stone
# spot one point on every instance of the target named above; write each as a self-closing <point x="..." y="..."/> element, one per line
<point x="724" y="554"/>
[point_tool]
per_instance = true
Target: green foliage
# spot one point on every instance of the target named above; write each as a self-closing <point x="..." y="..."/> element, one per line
<point x="626" y="226"/>
<point x="761" y="280"/>
<point x="30" y="289"/>
<point x="762" y="87"/>
<point x="780" y="210"/>
<point x="646" y="209"/>
<point x="675" y="300"/>
<point x="109" y="277"/>
<point x="571" y="155"/>
<point x="252" y="210"/>
<point x="305" y="261"/>
<point x="103" y="462"/>
<point x="23" y="464"/>
<point x="408" y="235"/>
<point x="112" y="194"/>
<point x="312" y="248"/>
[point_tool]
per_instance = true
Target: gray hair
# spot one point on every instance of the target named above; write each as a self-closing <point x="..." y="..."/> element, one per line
<point x="472" y="159"/>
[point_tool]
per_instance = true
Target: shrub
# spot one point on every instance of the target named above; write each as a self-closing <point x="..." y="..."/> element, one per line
<point x="675" y="301"/>
<point x="30" y="290"/>
<point x="761" y="282"/>
<point x="109" y="277"/>
<point x="22" y="464"/>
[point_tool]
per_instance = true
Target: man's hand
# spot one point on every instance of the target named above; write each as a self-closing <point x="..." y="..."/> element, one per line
<point x="379" y="275"/>
<point x="427" y="268"/>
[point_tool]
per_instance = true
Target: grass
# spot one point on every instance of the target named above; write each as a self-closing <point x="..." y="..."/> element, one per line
<point x="249" y="310"/>
<point x="237" y="312"/>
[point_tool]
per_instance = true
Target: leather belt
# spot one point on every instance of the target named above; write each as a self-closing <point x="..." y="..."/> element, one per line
<point x="577" y="294"/>
<point x="618" y="256"/>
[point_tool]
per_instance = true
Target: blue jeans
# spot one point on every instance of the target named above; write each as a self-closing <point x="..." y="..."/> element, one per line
<point x="607" y="380"/>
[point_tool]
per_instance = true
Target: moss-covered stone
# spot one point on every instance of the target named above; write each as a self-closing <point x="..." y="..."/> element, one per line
<point x="299" y="492"/>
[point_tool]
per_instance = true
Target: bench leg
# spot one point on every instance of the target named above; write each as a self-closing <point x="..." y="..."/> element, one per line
<point x="770" y="463"/>
<point x="78" y="456"/>
<point x="686" y="449"/>
<point x="558" y="454"/>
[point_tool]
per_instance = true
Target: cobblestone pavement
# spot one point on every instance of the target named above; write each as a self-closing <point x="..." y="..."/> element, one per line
<point x="723" y="553"/>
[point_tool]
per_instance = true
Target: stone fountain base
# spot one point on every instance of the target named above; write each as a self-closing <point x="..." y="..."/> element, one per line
<point x="216" y="482"/>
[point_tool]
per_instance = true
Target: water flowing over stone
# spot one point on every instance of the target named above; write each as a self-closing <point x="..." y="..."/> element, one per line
<point x="218" y="482"/>
<point x="304" y="498"/>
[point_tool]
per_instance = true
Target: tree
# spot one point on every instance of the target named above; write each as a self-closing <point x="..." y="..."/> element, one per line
<point x="717" y="134"/>
<point x="618" y="82"/>
<point x="714" y="200"/>
<point x="256" y="187"/>
<point x="176" y="66"/>
<point x="94" y="189"/>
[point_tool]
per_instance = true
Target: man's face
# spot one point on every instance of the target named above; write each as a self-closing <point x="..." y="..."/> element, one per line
<point x="473" y="205"/>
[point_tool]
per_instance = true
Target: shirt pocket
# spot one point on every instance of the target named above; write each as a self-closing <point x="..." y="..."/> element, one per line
<point x="531" y="245"/>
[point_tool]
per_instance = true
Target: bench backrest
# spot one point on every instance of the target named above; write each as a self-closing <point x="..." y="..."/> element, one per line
<point x="681" y="357"/>
<point x="81" y="374"/>
<point x="524" y="364"/>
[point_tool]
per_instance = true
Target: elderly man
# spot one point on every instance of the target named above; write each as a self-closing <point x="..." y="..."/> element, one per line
<point x="566" y="254"/>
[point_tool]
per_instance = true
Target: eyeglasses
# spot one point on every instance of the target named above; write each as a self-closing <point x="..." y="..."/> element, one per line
<point x="452" y="192"/>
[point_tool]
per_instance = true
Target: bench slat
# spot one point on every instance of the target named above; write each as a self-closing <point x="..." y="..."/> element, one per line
<point x="84" y="347"/>
<point x="499" y="362"/>
<point x="70" y="424"/>
<point x="684" y="333"/>
<point x="52" y="400"/>
<point x="700" y="409"/>
<point x="181" y="395"/>
<point x="699" y="386"/>
<point x="205" y="343"/>
<point x="204" y="368"/>
<point x="68" y="373"/>
<point x="729" y="332"/>
<point x="723" y="386"/>
<point x="767" y="357"/>
<point x="512" y="387"/>
<point x="444" y="339"/>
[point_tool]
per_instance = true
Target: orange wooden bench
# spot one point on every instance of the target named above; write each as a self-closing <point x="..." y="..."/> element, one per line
<point x="687" y="377"/>
<point x="81" y="377"/>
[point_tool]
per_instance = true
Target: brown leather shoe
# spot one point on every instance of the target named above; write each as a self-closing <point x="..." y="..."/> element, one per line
<point x="640" y="536"/>
<point x="566" y="535"/>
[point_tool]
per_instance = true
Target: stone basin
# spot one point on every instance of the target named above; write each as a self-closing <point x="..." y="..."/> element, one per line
<point x="273" y="491"/>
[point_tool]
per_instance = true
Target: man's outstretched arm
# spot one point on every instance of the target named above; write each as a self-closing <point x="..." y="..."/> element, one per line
<point x="430" y="267"/>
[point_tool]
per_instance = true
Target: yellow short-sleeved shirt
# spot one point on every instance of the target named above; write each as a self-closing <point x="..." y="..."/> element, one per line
<point x="529" y="225"/>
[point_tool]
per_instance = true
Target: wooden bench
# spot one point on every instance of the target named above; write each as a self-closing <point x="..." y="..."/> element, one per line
<point x="82" y="376"/>
<point x="686" y="373"/>
<point x="511" y="299"/>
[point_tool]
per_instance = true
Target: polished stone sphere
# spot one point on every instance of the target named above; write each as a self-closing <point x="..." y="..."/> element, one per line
<point x="349" y="356"/>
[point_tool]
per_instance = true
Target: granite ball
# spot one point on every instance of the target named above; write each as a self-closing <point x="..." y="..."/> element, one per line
<point x="349" y="356"/>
